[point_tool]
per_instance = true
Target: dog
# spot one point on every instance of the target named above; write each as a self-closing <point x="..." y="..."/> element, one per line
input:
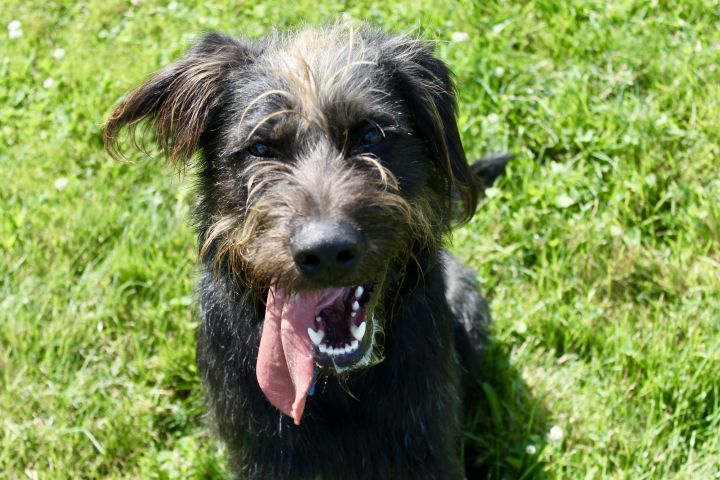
<point x="338" y="338"/>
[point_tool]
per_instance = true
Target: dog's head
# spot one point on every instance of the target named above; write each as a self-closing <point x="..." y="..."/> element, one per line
<point x="329" y="160"/>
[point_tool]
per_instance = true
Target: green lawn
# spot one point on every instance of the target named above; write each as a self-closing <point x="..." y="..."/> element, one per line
<point x="600" y="249"/>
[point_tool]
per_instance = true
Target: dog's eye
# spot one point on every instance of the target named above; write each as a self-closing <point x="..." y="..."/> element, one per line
<point x="372" y="135"/>
<point x="261" y="150"/>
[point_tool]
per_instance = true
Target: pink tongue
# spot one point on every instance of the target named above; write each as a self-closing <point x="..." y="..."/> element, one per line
<point x="285" y="364"/>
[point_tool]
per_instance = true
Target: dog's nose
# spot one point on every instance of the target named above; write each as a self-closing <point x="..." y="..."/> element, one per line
<point x="326" y="249"/>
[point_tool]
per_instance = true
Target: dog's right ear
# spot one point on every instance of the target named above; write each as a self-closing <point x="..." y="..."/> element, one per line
<point x="178" y="99"/>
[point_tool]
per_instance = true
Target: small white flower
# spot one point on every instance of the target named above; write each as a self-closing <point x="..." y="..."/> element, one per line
<point x="493" y="118"/>
<point x="521" y="328"/>
<point x="564" y="201"/>
<point x="459" y="37"/>
<point x="136" y="3"/>
<point x="555" y="435"/>
<point x="172" y="6"/>
<point x="14" y="25"/>
<point x="492" y="192"/>
<point x="61" y="183"/>
<point x="58" y="53"/>
<point x="499" y="71"/>
<point x="616" y="231"/>
<point x="557" y="167"/>
<point x="531" y="450"/>
<point x="49" y="83"/>
<point x="13" y="34"/>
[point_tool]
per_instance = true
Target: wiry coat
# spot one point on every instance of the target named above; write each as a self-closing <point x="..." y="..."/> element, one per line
<point x="313" y="94"/>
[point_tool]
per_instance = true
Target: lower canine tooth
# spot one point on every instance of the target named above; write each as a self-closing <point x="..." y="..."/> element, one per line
<point x="355" y="306"/>
<point x="316" y="336"/>
<point x="359" y="331"/>
<point x="359" y="291"/>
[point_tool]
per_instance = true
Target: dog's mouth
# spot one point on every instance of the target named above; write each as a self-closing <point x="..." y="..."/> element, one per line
<point x="304" y="333"/>
<point x="342" y="336"/>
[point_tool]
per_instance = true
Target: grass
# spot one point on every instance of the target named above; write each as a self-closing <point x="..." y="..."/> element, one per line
<point x="599" y="250"/>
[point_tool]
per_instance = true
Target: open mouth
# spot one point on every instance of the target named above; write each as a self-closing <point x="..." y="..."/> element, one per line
<point x="307" y="332"/>
<point x="343" y="329"/>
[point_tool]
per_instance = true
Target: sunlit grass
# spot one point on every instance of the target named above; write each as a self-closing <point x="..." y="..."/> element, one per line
<point x="600" y="249"/>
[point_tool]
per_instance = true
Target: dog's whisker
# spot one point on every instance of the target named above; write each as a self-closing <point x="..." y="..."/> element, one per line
<point x="261" y="174"/>
<point x="283" y="93"/>
<point x="268" y="117"/>
<point x="389" y="181"/>
<point x="345" y="68"/>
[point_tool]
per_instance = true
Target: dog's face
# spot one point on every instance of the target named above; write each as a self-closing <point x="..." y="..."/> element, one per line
<point x="329" y="160"/>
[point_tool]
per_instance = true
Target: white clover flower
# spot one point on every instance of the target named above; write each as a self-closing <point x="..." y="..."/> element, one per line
<point x="58" y="53"/>
<point x="555" y="435"/>
<point x="49" y="83"/>
<point x="499" y="71"/>
<point x="61" y="183"/>
<point x="531" y="450"/>
<point x="172" y="6"/>
<point x="492" y="192"/>
<point x="14" y="29"/>
<point x="564" y="201"/>
<point x="459" y="37"/>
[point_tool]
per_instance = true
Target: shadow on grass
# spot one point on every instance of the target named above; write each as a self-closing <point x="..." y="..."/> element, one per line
<point x="505" y="430"/>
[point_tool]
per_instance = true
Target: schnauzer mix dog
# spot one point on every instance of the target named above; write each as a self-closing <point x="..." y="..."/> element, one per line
<point x="338" y="339"/>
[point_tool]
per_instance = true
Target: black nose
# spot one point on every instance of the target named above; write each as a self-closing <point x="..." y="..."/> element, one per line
<point x="326" y="249"/>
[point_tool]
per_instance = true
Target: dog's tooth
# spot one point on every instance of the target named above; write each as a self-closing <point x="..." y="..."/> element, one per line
<point x="353" y="314"/>
<point x="359" y="331"/>
<point x="359" y="291"/>
<point x="355" y="306"/>
<point x="318" y="319"/>
<point x="316" y="335"/>
<point x="323" y="348"/>
<point x="354" y="345"/>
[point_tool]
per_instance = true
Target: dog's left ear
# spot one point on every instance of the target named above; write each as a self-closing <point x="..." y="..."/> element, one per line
<point x="178" y="100"/>
<point x="426" y="85"/>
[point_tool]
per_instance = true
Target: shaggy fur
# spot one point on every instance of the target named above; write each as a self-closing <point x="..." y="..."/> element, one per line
<point x="358" y="127"/>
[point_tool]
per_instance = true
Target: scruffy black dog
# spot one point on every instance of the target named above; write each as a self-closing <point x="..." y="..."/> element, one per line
<point x="338" y="339"/>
